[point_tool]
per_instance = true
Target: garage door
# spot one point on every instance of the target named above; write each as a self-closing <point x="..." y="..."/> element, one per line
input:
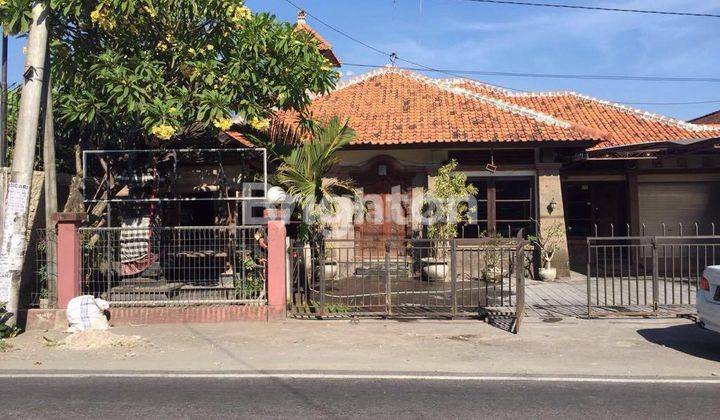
<point x="679" y="202"/>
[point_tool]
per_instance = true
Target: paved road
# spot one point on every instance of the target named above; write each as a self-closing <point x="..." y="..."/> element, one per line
<point x="349" y="398"/>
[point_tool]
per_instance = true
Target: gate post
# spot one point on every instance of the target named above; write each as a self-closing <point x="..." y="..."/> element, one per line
<point x="655" y="274"/>
<point x="276" y="254"/>
<point x="388" y="285"/>
<point x="520" y="283"/>
<point x="69" y="256"/>
<point x="589" y="279"/>
<point x="321" y="273"/>
<point x="453" y="277"/>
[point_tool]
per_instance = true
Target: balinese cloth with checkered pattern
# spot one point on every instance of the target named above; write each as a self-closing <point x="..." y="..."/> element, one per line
<point x="135" y="239"/>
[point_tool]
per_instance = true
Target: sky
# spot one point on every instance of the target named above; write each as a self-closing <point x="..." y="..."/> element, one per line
<point x="466" y="35"/>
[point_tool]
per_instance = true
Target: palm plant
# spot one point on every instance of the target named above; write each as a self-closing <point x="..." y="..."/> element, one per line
<point x="303" y="172"/>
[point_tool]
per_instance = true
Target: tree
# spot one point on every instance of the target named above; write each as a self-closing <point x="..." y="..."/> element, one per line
<point x="13" y="103"/>
<point x="159" y="73"/>
<point x="130" y="73"/>
<point x="447" y="201"/>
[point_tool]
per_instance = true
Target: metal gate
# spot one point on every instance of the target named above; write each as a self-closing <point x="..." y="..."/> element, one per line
<point x="410" y="278"/>
<point x="642" y="275"/>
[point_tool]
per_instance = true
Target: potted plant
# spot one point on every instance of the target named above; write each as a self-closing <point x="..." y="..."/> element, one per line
<point x="446" y="204"/>
<point x="547" y="242"/>
<point x="44" y="302"/>
<point x="493" y="258"/>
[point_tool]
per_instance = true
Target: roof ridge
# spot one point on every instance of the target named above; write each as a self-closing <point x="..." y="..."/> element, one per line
<point x="507" y="106"/>
<point x="652" y="116"/>
<point x="458" y="80"/>
<point x="442" y="84"/>
<point x="363" y="77"/>
<point x="638" y="112"/>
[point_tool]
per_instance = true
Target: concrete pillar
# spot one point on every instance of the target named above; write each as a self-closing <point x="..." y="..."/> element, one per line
<point x="69" y="256"/>
<point x="276" y="266"/>
<point x="417" y="202"/>
<point x="550" y="191"/>
<point x="633" y="201"/>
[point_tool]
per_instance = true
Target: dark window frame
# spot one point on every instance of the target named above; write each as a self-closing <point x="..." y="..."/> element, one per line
<point x="492" y="224"/>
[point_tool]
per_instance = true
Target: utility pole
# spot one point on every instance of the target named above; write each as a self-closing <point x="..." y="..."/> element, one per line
<point x="13" y="244"/>
<point x="3" y="103"/>
<point x="50" y="180"/>
<point x="3" y="124"/>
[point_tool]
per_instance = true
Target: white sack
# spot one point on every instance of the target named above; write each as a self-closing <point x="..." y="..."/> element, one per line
<point x="86" y="313"/>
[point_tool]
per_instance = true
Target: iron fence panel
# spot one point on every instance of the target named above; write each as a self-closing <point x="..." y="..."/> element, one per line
<point x="42" y="291"/>
<point x="647" y="274"/>
<point x="142" y="266"/>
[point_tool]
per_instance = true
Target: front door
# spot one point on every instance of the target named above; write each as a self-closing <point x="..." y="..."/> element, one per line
<point x="386" y="187"/>
<point x="609" y="207"/>
<point x="380" y="225"/>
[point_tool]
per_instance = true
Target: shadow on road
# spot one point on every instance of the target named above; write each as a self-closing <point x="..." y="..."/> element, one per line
<point x="688" y="338"/>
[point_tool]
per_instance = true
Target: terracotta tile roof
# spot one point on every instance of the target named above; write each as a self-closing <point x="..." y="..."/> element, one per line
<point x="711" y="118"/>
<point x="622" y="124"/>
<point x="324" y="46"/>
<point x="238" y="137"/>
<point x="392" y="106"/>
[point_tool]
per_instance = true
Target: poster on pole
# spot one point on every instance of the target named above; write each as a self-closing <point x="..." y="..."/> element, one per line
<point x="12" y="246"/>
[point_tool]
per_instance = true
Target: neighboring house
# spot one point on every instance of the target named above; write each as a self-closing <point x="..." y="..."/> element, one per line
<point x="711" y="118"/>
<point x="560" y="157"/>
<point x="324" y="46"/>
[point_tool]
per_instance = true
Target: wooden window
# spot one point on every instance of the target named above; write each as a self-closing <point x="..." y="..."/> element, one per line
<point x="505" y="205"/>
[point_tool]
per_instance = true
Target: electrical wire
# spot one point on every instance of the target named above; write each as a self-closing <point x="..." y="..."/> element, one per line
<point x="390" y="55"/>
<point x="596" y="8"/>
<point x="672" y="103"/>
<point x="554" y="75"/>
<point x="454" y="73"/>
<point x="521" y="74"/>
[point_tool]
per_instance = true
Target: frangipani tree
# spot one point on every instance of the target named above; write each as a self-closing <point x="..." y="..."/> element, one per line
<point x="143" y="72"/>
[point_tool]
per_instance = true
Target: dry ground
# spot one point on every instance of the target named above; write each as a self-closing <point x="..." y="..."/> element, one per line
<point x="668" y="348"/>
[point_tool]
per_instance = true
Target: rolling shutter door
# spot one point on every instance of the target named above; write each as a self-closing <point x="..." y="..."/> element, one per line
<point x="679" y="202"/>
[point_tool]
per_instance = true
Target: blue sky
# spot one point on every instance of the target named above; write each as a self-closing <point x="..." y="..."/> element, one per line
<point x="467" y="35"/>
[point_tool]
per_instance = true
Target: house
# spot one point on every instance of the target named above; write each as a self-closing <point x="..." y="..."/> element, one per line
<point x="711" y="118"/>
<point x="596" y="167"/>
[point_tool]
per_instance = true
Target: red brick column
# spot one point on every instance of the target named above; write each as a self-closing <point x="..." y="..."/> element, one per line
<point x="69" y="256"/>
<point x="277" y="254"/>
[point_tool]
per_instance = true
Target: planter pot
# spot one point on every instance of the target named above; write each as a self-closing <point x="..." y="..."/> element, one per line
<point x="435" y="270"/>
<point x="547" y="274"/>
<point x="227" y="280"/>
<point x="492" y="274"/>
<point x="44" y="303"/>
<point x="330" y="270"/>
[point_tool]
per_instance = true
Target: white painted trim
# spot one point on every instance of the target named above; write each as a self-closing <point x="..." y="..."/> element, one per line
<point x="443" y="85"/>
<point x="628" y="109"/>
<point x="594" y="178"/>
<point x="481" y="174"/>
<point x="367" y="376"/>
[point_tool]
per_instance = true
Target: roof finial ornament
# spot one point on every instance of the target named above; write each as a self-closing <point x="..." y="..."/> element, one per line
<point x="301" y="16"/>
<point x="393" y="59"/>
